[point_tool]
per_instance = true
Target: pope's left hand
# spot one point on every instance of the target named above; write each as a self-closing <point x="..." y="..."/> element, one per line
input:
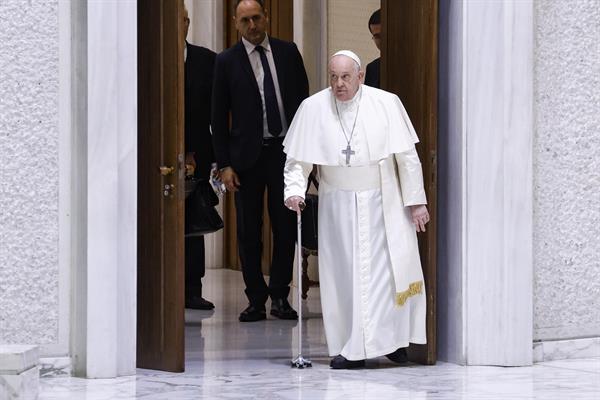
<point x="420" y="216"/>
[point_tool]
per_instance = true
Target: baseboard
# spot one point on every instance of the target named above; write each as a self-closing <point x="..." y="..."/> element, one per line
<point x="550" y="350"/>
<point x="51" y="367"/>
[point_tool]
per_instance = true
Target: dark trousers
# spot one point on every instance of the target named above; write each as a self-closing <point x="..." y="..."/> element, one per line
<point x="194" y="266"/>
<point x="266" y="173"/>
<point x="194" y="246"/>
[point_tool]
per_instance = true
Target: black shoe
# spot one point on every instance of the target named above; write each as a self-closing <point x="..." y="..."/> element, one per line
<point x="399" y="356"/>
<point x="281" y="309"/>
<point x="341" y="362"/>
<point x="253" y="313"/>
<point x="198" y="303"/>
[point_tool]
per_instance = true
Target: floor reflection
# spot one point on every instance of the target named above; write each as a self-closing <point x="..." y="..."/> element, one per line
<point x="217" y="335"/>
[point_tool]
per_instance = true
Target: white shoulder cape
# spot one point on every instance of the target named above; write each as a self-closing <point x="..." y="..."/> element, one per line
<point x="312" y="136"/>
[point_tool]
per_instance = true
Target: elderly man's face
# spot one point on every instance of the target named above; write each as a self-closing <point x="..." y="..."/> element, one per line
<point x="344" y="77"/>
<point x="251" y="21"/>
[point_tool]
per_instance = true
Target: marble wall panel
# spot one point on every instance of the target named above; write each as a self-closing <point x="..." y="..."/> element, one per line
<point x="127" y="187"/>
<point x="499" y="131"/>
<point x="109" y="320"/>
<point x="103" y="190"/>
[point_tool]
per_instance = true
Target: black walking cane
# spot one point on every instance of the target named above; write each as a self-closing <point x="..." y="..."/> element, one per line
<point x="300" y="362"/>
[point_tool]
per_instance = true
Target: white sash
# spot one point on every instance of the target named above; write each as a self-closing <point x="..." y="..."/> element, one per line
<point x="351" y="178"/>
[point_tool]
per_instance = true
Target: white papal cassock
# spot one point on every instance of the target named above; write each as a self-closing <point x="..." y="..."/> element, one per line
<point x="372" y="289"/>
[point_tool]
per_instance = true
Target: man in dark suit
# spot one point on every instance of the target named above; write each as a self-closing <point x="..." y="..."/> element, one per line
<point x="372" y="77"/>
<point x="199" y="65"/>
<point x="261" y="81"/>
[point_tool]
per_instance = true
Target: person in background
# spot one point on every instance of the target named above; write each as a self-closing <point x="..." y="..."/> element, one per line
<point x="198" y="72"/>
<point x="372" y="77"/>
<point x="259" y="82"/>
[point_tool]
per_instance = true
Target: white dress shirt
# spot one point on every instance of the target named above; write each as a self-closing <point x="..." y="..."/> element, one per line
<point x="259" y="75"/>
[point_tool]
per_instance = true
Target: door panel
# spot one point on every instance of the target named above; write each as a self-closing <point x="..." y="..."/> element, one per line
<point x="409" y="68"/>
<point x="160" y="318"/>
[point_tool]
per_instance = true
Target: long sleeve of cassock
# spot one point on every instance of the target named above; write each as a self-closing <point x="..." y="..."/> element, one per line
<point x="295" y="178"/>
<point x="411" y="177"/>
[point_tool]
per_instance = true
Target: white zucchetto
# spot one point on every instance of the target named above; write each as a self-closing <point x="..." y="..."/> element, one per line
<point x="350" y="54"/>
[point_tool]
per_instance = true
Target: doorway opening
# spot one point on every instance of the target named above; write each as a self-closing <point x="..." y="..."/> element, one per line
<point x="166" y="331"/>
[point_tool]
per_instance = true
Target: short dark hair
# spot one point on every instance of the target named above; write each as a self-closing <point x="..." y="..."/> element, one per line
<point x="260" y="2"/>
<point x="375" y="19"/>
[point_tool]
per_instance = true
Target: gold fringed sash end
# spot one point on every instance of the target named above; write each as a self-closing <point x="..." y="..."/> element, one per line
<point x="414" y="289"/>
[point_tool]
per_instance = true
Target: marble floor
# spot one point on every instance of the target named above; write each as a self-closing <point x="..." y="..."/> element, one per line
<point x="230" y="360"/>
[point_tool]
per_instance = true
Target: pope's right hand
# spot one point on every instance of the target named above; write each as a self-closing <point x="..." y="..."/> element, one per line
<point x="230" y="179"/>
<point x="295" y="203"/>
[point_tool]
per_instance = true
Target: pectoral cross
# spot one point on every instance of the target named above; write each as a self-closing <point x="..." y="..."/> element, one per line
<point x="348" y="152"/>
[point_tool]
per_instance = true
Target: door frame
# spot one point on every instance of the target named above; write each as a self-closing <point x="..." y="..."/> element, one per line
<point x="425" y="124"/>
<point x="98" y="111"/>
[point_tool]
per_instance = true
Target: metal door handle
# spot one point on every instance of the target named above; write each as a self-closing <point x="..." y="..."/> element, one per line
<point x="164" y="170"/>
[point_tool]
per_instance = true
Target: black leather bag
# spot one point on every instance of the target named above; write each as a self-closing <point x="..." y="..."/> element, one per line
<point x="201" y="216"/>
<point x="310" y="218"/>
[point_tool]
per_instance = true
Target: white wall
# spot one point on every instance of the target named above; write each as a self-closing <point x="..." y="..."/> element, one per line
<point x="206" y="23"/>
<point x="348" y="28"/>
<point x="30" y="300"/>
<point x="310" y="34"/>
<point x="567" y="170"/>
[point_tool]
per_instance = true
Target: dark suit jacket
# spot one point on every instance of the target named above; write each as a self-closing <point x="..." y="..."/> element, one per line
<point x="372" y="77"/>
<point x="235" y="90"/>
<point x="199" y="66"/>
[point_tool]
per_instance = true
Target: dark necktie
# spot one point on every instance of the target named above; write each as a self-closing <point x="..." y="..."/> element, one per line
<point x="273" y="116"/>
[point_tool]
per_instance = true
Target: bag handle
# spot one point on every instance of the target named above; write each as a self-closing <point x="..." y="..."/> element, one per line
<point x="312" y="179"/>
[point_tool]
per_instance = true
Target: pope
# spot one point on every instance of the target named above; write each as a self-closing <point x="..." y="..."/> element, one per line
<point x="371" y="204"/>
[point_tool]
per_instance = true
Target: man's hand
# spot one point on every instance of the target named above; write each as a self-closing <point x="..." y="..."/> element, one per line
<point x="420" y="216"/>
<point x="230" y="179"/>
<point x="295" y="203"/>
